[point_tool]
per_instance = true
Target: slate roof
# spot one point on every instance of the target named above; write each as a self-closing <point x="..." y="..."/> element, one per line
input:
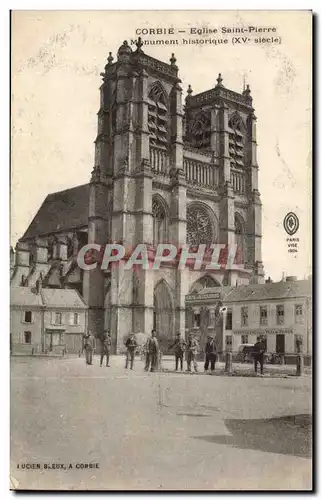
<point x="62" y="298"/>
<point x="61" y="211"/>
<point x="23" y="296"/>
<point x="48" y="297"/>
<point x="269" y="291"/>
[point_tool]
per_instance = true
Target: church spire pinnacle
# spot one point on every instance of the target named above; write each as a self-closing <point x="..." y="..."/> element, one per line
<point x="247" y="91"/>
<point x="219" y="81"/>
<point x="110" y="59"/>
<point x="139" y="44"/>
<point x="173" y="60"/>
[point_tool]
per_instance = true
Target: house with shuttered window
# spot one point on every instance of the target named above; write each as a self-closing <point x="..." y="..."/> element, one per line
<point x="45" y="320"/>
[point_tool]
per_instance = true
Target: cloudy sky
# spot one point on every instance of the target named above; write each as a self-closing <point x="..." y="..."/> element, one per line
<point x="57" y="58"/>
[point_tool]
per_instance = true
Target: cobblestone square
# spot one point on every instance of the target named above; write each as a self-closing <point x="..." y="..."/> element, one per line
<point x="155" y="430"/>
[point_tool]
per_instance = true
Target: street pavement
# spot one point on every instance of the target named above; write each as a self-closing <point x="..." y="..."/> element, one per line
<point x="160" y="431"/>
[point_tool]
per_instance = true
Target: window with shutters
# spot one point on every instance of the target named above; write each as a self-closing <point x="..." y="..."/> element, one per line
<point x="57" y="318"/>
<point x="280" y="315"/>
<point x="158" y="116"/>
<point x="263" y="315"/>
<point x="244" y="318"/>
<point x="298" y="313"/>
<point x="236" y="129"/>
<point x="74" y="318"/>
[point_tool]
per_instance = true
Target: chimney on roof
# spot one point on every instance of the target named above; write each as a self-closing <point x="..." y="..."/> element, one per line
<point x="291" y="278"/>
<point x="269" y="280"/>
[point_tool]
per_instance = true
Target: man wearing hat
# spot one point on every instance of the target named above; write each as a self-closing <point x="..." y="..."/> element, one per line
<point x="89" y="346"/>
<point x="106" y="343"/>
<point x="192" y="348"/>
<point x="210" y="353"/>
<point x="259" y="351"/>
<point x="131" y="346"/>
<point x="152" y="353"/>
<point x="179" y="346"/>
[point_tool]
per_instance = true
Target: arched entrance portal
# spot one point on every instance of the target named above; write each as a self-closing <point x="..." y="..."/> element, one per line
<point x="163" y="317"/>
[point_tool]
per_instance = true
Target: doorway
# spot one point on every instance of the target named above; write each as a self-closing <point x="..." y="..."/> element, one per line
<point x="280" y="343"/>
<point x="163" y="315"/>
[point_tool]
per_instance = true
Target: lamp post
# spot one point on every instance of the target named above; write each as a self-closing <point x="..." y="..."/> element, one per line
<point x="228" y="354"/>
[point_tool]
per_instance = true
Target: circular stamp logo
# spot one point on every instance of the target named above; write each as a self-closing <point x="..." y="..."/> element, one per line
<point x="291" y="223"/>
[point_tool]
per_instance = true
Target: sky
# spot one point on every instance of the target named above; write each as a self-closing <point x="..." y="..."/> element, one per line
<point x="57" y="58"/>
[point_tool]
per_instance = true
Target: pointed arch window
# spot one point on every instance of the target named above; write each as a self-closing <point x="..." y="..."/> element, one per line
<point x="204" y="282"/>
<point x="159" y="222"/>
<point x="201" y="130"/>
<point x="240" y="239"/>
<point x="158" y="116"/>
<point x="236" y="129"/>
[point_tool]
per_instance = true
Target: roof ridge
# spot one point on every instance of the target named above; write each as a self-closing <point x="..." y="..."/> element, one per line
<point x="67" y="189"/>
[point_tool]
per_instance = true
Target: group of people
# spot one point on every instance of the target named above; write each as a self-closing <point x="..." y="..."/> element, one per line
<point x="153" y="351"/>
<point x="191" y="347"/>
<point x="89" y="346"/>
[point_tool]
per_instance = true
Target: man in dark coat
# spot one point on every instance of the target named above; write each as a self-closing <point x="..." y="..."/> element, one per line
<point x="179" y="346"/>
<point x="259" y="351"/>
<point x="106" y="343"/>
<point x="89" y="346"/>
<point x="152" y="353"/>
<point x="210" y="353"/>
<point x="131" y="346"/>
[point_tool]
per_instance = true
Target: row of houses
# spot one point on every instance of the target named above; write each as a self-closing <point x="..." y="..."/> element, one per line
<point x="280" y="312"/>
<point x="45" y="320"/>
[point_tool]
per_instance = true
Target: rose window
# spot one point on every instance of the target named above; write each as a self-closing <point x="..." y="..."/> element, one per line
<point x="199" y="226"/>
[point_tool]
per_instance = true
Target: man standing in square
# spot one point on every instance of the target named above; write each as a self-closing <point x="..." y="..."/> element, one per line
<point x="259" y="351"/>
<point x="179" y="346"/>
<point x="210" y="353"/>
<point x="106" y="343"/>
<point x="89" y="346"/>
<point x="152" y="353"/>
<point x="192" y="348"/>
<point x="131" y="345"/>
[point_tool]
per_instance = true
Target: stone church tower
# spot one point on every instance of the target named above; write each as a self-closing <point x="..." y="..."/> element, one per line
<point x="164" y="172"/>
<point x="167" y="174"/>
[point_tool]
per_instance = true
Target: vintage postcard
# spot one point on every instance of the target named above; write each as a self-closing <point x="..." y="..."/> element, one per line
<point x="160" y="261"/>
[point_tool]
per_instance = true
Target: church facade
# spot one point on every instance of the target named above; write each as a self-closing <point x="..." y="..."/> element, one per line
<point x="164" y="172"/>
